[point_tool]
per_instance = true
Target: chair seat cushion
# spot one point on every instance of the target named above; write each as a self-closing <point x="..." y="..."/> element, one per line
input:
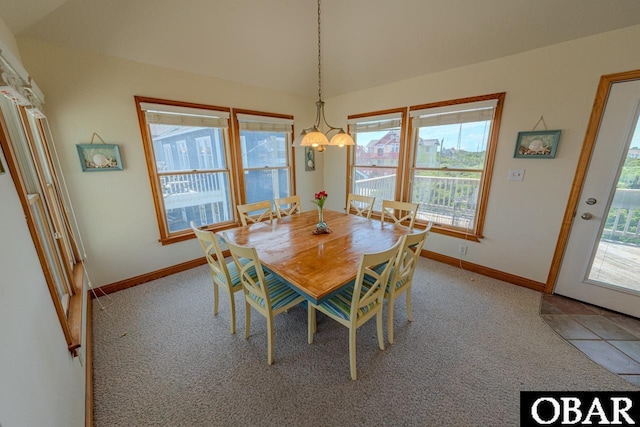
<point x="380" y="268"/>
<point x="234" y="274"/>
<point x="340" y="303"/>
<point x="280" y="293"/>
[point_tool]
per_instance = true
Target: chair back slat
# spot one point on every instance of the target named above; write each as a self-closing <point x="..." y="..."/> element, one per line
<point x="264" y="209"/>
<point x="406" y="261"/>
<point x="399" y="212"/>
<point x="360" y="205"/>
<point x="251" y="272"/>
<point x="213" y="254"/>
<point x="286" y="206"/>
<point x="376" y="282"/>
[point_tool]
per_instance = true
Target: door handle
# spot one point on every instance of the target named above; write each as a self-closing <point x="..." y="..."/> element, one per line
<point x="586" y="216"/>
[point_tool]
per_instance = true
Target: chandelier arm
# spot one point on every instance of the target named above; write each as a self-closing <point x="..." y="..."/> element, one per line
<point x="314" y="136"/>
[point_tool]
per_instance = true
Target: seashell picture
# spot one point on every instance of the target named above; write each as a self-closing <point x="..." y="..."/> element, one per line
<point x="537" y="144"/>
<point x="99" y="157"/>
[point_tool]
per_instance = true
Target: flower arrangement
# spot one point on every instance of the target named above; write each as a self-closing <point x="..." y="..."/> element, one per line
<point x="320" y="198"/>
<point x="321" y="226"/>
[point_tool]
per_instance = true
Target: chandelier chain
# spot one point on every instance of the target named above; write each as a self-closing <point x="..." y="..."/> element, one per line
<point x="319" y="58"/>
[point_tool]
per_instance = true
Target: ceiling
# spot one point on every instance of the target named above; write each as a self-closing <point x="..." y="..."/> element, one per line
<point x="273" y="43"/>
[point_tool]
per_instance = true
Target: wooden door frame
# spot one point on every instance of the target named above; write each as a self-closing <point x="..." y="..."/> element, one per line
<point x="602" y="95"/>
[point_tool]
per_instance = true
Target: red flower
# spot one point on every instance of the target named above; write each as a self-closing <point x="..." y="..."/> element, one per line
<point x="320" y="198"/>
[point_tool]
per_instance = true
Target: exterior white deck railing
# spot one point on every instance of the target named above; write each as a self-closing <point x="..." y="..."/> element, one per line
<point x="444" y="200"/>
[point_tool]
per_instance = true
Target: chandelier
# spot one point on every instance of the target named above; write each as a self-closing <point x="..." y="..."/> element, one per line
<point x="313" y="136"/>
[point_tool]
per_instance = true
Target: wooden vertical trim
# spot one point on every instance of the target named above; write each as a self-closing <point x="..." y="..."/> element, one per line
<point x="88" y="388"/>
<point x="588" y="145"/>
<point x="408" y="153"/>
<point x="487" y="174"/>
<point x="46" y="142"/>
<point x="147" y="145"/>
<point x="235" y="161"/>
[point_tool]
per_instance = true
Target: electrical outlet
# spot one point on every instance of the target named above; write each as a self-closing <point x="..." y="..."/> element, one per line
<point x="462" y="249"/>
<point x="516" y="175"/>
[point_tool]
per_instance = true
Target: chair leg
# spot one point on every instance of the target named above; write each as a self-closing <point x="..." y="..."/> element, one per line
<point x="270" y="340"/>
<point x="409" y="315"/>
<point x="216" y="297"/>
<point x="380" y="331"/>
<point x="232" y="304"/>
<point x="311" y="321"/>
<point x="247" y="317"/>
<point x="352" y="352"/>
<point x="390" y="304"/>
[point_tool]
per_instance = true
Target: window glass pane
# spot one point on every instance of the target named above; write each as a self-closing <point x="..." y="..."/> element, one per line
<point x="266" y="184"/>
<point x="377" y="148"/>
<point x="50" y="250"/>
<point x="187" y="148"/>
<point x="201" y="197"/>
<point x="263" y="149"/>
<point x="375" y="182"/>
<point x="448" y="198"/>
<point x="455" y="146"/>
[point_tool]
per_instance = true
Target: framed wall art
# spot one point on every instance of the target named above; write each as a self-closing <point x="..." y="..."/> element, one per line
<point x="309" y="159"/>
<point x="99" y="157"/>
<point x="537" y="144"/>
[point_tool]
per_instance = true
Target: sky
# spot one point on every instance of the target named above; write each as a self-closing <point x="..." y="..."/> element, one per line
<point x="471" y="136"/>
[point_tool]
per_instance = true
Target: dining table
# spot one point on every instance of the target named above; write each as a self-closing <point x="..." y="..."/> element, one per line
<point x="316" y="265"/>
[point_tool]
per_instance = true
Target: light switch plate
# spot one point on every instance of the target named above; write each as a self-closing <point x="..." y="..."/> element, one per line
<point x="516" y="175"/>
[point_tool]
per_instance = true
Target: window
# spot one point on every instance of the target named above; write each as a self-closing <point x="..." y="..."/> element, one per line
<point x="444" y="163"/>
<point x="200" y="170"/>
<point x="187" y="150"/>
<point x="26" y="141"/>
<point x="375" y="161"/>
<point x="453" y="147"/>
<point x="265" y="143"/>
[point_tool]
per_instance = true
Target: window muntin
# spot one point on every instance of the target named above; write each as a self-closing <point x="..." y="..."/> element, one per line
<point x="453" y="146"/>
<point x="376" y="157"/>
<point x="265" y="151"/>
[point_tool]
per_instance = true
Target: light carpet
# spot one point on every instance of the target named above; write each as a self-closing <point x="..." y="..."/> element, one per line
<point x="162" y="359"/>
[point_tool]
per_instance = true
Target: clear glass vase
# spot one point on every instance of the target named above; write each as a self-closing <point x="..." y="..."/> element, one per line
<point x="321" y="224"/>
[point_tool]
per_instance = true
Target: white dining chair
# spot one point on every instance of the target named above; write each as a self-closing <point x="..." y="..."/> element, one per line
<point x="401" y="277"/>
<point x="263" y="210"/>
<point x="225" y="275"/>
<point x="360" y="205"/>
<point x="399" y="212"/>
<point x="265" y="293"/>
<point x="360" y="300"/>
<point x="286" y="206"/>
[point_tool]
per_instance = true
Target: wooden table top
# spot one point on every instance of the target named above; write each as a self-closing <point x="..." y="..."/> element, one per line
<point x="316" y="265"/>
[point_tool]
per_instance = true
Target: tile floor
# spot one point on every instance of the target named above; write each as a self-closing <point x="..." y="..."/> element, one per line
<point x="610" y="339"/>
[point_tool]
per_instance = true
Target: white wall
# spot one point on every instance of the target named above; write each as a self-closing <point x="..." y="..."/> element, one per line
<point x="89" y="93"/>
<point x="559" y="82"/>
<point x="40" y="383"/>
